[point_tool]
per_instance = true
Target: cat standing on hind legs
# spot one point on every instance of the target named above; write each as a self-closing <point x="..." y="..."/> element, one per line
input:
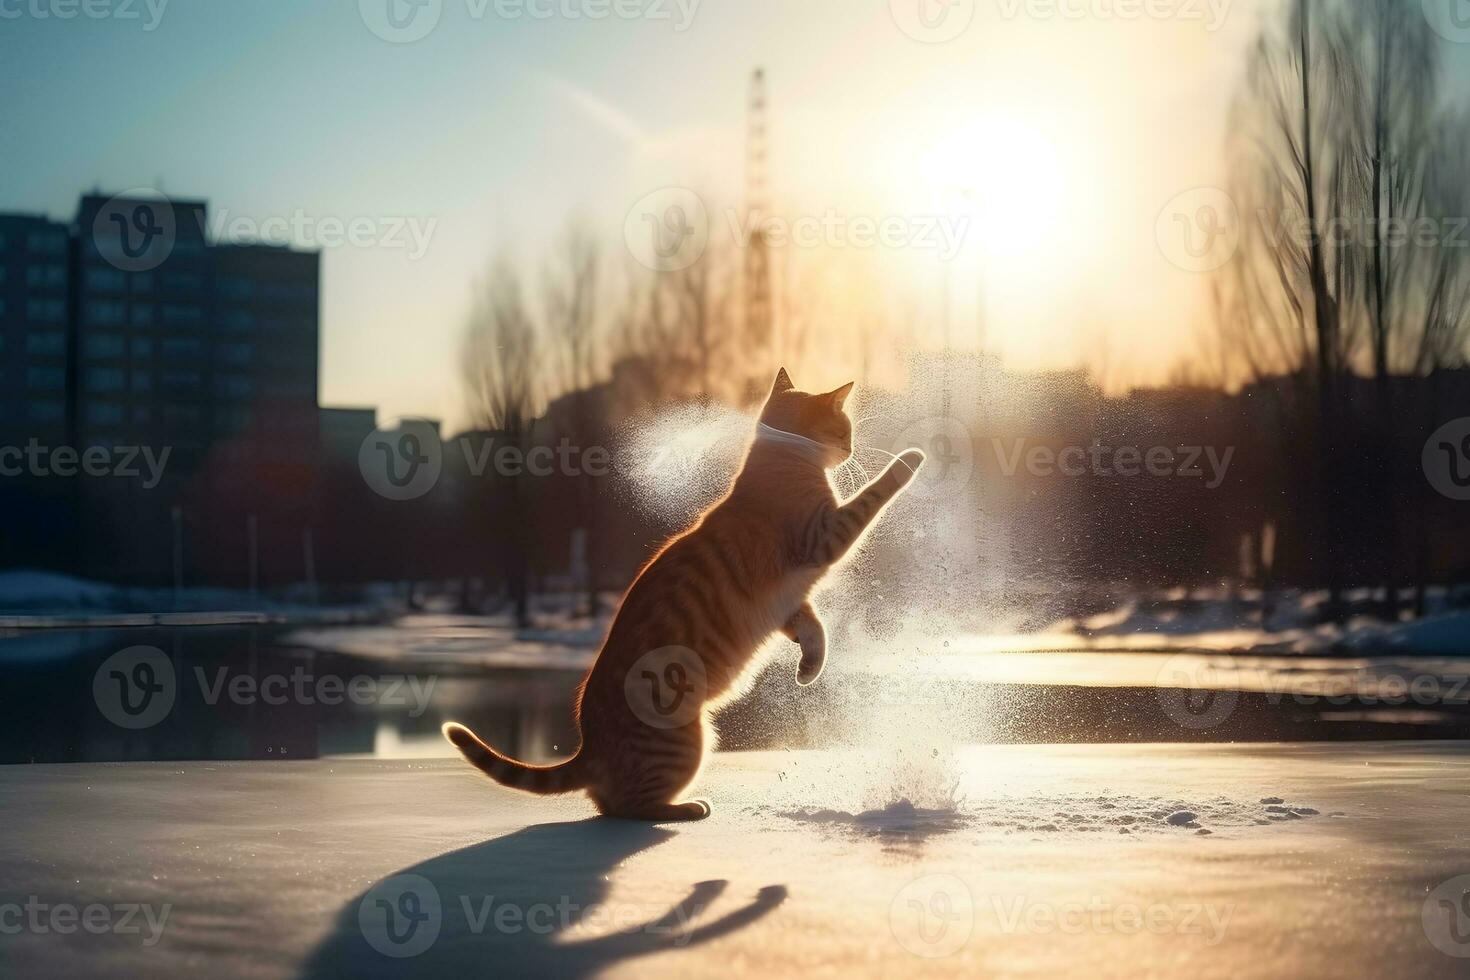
<point x="686" y="632"/>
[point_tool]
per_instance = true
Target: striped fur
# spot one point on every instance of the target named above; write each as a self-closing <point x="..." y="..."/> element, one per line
<point x="546" y="780"/>
<point x="689" y="627"/>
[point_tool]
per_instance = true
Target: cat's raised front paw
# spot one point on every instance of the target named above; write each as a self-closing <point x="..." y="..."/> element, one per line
<point x="810" y="669"/>
<point x="907" y="464"/>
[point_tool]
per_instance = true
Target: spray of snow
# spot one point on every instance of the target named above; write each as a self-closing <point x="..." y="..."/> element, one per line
<point x="677" y="461"/>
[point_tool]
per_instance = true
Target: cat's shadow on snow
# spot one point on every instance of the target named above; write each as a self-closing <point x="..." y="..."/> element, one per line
<point x="501" y="906"/>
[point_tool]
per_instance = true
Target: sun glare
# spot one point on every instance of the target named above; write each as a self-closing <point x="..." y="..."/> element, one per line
<point x="1005" y="176"/>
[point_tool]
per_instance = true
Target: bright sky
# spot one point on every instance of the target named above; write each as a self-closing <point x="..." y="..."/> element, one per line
<point x="1069" y="134"/>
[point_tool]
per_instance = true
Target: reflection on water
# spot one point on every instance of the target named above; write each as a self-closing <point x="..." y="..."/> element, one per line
<point x="237" y="692"/>
<point x="254" y="692"/>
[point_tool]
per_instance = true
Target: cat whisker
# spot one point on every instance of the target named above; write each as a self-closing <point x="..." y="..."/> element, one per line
<point x="874" y="449"/>
<point x="846" y="480"/>
<point x="852" y="462"/>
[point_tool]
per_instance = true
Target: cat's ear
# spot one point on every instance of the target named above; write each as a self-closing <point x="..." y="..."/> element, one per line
<point x="783" y="382"/>
<point x="840" y="395"/>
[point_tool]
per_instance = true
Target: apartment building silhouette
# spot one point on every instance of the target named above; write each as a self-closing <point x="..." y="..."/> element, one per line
<point x="129" y="327"/>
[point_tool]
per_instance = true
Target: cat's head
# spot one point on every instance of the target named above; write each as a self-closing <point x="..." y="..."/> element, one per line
<point x="817" y="417"/>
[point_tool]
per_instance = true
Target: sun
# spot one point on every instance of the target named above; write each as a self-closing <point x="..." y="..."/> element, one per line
<point x="1005" y="177"/>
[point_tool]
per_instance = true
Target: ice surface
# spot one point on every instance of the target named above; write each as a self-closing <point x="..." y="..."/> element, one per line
<point x="266" y="868"/>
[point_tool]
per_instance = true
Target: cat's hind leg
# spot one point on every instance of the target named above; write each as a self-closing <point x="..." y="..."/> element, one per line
<point x="805" y="628"/>
<point x="669" y="812"/>
<point x="654" y="768"/>
<point x="658" y="812"/>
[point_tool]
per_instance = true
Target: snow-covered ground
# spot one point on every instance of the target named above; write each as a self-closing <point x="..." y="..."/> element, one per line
<point x="31" y="599"/>
<point x="1199" y="621"/>
<point x="1288" y="621"/>
<point x="1038" y="861"/>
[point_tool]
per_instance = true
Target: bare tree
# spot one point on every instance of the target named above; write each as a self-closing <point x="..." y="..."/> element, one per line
<point x="1345" y="142"/>
<point x="501" y="364"/>
<point x="1390" y="69"/>
<point x="696" y="310"/>
<point x="571" y="303"/>
<point x="570" y="290"/>
<point x="1345" y="159"/>
<point x="1292" y="282"/>
<point x="1290" y="180"/>
<point x="1440" y="337"/>
<point x="685" y="328"/>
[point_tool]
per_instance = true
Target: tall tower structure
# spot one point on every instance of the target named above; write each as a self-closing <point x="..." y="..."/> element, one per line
<point x="758" y="313"/>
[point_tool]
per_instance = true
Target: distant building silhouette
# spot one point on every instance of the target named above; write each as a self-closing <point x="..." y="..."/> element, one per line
<point x="34" y="293"/>
<point x="130" y="328"/>
<point x="343" y="430"/>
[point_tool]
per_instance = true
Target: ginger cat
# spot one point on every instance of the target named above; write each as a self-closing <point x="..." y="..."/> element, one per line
<point x="693" y="619"/>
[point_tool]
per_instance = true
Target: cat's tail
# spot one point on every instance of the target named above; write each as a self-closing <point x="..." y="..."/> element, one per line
<point x="564" y="777"/>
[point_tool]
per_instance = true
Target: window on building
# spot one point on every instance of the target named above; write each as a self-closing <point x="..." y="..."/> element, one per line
<point x="233" y="386"/>
<point x="104" y="413"/>
<point x="182" y="281"/>
<point x="177" y="315"/>
<point x="45" y="310"/>
<point x="178" y="348"/>
<point x="49" y="342"/>
<point x="45" y="276"/>
<point x="45" y="378"/>
<point x="45" y="410"/>
<point x="103" y="313"/>
<point x="235" y="287"/>
<point x="239" y="320"/>
<point x="104" y="379"/>
<point x="46" y="242"/>
<point x="99" y="346"/>
<point x="142" y="315"/>
<point x="235" y="354"/>
<point x="104" y="279"/>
